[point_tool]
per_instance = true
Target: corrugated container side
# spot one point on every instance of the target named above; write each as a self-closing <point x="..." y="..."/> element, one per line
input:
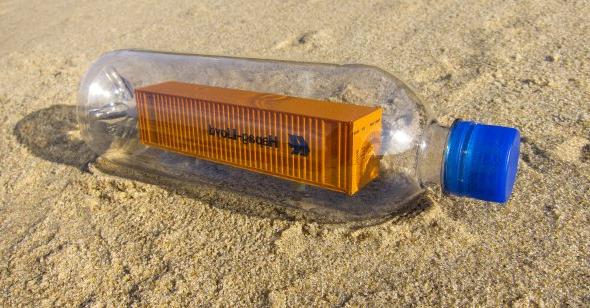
<point x="184" y="125"/>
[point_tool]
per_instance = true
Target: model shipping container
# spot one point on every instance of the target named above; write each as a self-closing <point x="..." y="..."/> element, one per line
<point x="327" y="144"/>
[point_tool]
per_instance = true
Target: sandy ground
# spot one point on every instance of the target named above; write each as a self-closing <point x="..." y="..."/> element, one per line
<point x="74" y="236"/>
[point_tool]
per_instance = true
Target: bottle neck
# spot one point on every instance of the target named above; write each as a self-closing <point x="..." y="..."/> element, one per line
<point x="431" y="153"/>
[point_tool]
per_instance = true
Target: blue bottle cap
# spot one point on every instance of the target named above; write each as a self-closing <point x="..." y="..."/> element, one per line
<point x="481" y="161"/>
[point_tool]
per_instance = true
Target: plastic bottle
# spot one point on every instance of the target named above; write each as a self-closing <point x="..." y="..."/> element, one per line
<point x="412" y="151"/>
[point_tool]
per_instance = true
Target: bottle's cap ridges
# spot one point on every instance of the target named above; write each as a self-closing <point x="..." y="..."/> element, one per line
<point x="481" y="161"/>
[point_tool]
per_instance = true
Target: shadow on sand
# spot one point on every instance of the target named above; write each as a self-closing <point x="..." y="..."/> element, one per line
<point x="52" y="134"/>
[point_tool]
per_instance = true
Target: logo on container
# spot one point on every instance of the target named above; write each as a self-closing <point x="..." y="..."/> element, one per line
<point x="299" y="145"/>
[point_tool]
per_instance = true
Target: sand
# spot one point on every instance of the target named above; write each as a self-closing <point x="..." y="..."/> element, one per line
<point x="73" y="235"/>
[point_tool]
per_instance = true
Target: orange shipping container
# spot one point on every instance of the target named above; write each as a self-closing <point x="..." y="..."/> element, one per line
<point x="331" y="145"/>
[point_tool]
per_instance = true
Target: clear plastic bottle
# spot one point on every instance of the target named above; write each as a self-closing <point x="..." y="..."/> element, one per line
<point x="413" y="150"/>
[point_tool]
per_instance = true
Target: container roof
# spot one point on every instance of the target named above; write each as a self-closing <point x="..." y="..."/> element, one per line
<point x="265" y="101"/>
